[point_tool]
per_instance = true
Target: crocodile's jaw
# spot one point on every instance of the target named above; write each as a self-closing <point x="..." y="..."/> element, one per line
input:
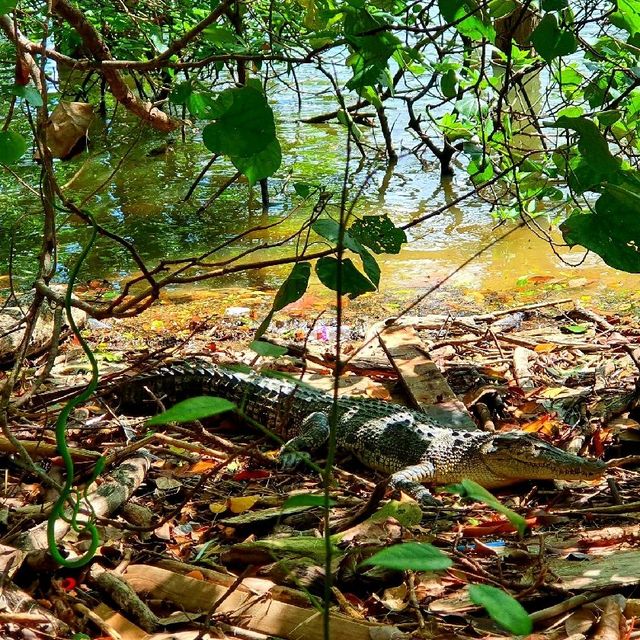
<point x="513" y="457"/>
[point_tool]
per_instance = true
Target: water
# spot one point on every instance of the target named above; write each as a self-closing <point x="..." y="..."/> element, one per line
<point x="143" y="202"/>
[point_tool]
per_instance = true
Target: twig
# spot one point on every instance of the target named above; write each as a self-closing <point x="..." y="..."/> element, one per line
<point x="564" y="606"/>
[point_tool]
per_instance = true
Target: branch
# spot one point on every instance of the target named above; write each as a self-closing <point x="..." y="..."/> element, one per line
<point x="91" y="39"/>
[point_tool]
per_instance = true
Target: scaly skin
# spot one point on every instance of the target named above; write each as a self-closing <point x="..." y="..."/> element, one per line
<point x="384" y="436"/>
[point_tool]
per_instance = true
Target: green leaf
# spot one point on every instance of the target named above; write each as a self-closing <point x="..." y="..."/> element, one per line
<point x="290" y="290"/>
<point x="303" y="189"/>
<point x="193" y="409"/>
<point x="550" y="41"/>
<point x="476" y="25"/>
<point x="180" y="93"/>
<point x="371" y="53"/>
<point x="352" y="282"/>
<point x="554" y="5"/>
<point x="576" y="328"/>
<point x="244" y="123"/>
<point x="627" y="16"/>
<point x="7" y="5"/>
<point x="408" y="514"/>
<point x="410" y="556"/>
<point x="612" y="230"/>
<point x="472" y="490"/>
<point x="219" y="35"/>
<point x="448" y="84"/>
<point x="306" y="500"/>
<point x="294" y="286"/>
<point x="378" y="233"/>
<point x="200" y="105"/>
<point x="371" y="267"/>
<point x="501" y="8"/>
<point x="607" y="118"/>
<point x="592" y="144"/>
<point x="502" y="608"/>
<point x="30" y="94"/>
<point x="330" y="229"/>
<point x="267" y="350"/>
<point x="12" y="146"/>
<point x="260" y="165"/>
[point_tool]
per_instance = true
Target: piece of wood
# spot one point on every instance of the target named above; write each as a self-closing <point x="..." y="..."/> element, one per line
<point x="521" y="368"/>
<point x="37" y="449"/>
<point x="17" y="602"/>
<point x="617" y="568"/>
<point x="420" y="376"/>
<point x="264" y="614"/>
<point x="118" y="486"/>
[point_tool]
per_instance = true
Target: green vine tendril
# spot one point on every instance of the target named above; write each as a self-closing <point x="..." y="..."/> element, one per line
<point x="57" y="512"/>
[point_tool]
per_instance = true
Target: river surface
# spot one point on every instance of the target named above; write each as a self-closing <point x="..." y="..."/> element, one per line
<point x="144" y="202"/>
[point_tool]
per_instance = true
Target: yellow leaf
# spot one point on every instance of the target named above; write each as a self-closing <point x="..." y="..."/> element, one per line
<point x="217" y="507"/>
<point x="238" y="505"/>
<point x="545" y="347"/>
<point x="157" y="325"/>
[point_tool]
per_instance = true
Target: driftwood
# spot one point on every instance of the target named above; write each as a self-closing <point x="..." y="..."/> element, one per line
<point x="258" y="605"/>
<point x="426" y="386"/>
<point x="21" y="610"/>
<point x="114" y="491"/>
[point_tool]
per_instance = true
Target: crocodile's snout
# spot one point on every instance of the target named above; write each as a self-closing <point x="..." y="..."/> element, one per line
<point x="520" y="455"/>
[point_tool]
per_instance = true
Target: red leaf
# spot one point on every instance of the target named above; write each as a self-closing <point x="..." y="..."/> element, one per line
<point x="257" y="474"/>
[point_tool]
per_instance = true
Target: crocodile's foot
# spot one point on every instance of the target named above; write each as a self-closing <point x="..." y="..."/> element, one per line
<point x="291" y="459"/>
<point x="427" y="501"/>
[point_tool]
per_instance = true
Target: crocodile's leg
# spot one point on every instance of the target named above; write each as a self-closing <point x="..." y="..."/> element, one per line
<point x="410" y="481"/>
<point x="314" y="432"/>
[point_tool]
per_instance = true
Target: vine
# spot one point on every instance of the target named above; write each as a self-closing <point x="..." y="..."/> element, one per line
<point x="57" y="511"/>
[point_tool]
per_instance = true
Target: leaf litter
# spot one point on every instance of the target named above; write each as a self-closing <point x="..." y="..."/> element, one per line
<point x="205" y="529"/>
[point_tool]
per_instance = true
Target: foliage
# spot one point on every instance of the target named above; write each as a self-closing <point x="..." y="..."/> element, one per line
<point x="472" y="490"/>
<point x="504" y="609"/>
<point x="415" y="556"/>
<point x="193" y="409"/>
<point x="462" y="83"/>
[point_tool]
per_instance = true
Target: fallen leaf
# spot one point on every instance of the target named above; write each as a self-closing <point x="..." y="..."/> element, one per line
<point x="217" y="507"/>
<point x="378" y="392"/>
<point x="198" y="575"/>
<point x="244" y="503"/>
<point x="256" y="474"/>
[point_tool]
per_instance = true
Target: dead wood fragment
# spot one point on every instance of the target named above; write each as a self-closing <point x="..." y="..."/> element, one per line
<point x="117" y="487"/>
<point x="361" y="364"/>
<point x="267" y="615"/>
<point x="420" y="377"/>
<point x="565" y="605"/>
<point x="18" y="604"/>
<point x="121" y="625"/>
<point x="522" y="368"/>
<point x="44" y="450"/>
<point x="106" y="629"/>
<point x="124" y="596"/>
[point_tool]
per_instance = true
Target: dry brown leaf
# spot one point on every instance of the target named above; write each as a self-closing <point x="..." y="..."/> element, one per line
<point x="378" y="392"/>
<point x="580" y="621"/>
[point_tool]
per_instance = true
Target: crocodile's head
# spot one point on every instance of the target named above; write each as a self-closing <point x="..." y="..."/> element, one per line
<point x="516" y="456"/>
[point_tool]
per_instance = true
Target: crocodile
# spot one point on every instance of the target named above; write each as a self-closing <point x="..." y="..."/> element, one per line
<point x="405" y="443"/>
